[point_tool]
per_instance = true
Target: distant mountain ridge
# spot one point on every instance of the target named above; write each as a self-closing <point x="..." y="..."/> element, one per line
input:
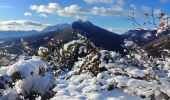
<point x="141" y="37"/>
<point x="18" y="34"/>
<point x="100" y="37"/>
<point x="15" y="34"/>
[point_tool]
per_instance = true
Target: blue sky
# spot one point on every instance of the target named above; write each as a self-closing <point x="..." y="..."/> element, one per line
<point x="108" y="14"/>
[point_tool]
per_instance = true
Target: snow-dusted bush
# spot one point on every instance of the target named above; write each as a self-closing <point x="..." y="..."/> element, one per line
<point x="30" y="80"/>
<point x="96" y="62"/>
<point x="72" y="51"/>
<point x="43" y="52"/>
<point x="26" y="68"/>
<point x="63" y="57"/>
<point x="81" y="54"/>
<point x="5" y="80"/>
<point x="35" y="86"/>
<point x="136" y="73"/>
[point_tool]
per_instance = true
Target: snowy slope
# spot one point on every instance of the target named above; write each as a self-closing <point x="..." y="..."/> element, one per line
<point x="142" y="37"/>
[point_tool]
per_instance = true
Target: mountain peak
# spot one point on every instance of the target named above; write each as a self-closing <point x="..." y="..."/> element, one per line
<point x="99" y="36"/>
<point x="82" y="23"/>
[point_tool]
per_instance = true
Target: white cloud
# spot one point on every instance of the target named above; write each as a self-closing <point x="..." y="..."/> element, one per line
<point x="54" y="8"/>
<point x="148" y="9"/>
<point x="21" y="25"/>
<point x="50" y="8"/>
<point x="113" y="11"/>
<point x="20" y="22"/>
<point x="43" y="15"/>
<point x="78" y="12"/>
<point x="157" y="11"/>
<point x="116" y="2"/>
<point x="119" y="2"/>
<point x="27" y="14"/>
<point x="71" y="11"/>
<point x="81" y="17"/>
<point x="98" y="1"/>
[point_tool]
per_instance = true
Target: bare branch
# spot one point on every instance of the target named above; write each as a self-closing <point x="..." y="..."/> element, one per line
<point x="151" y="21"/>
<point x="153" y="18"/>
<point x="133" y="19"/>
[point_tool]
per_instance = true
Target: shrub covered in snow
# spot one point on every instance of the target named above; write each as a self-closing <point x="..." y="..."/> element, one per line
<point x="35" y="86"/>
<point x="5" y="80"/>
<point x="28" y="79"/>
<point x="63" y="57"/>
<point x="26" y="68"/>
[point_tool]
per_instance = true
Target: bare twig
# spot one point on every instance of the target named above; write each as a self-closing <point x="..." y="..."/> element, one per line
<point x="153" y="18"/>
<point x="133" y="19"/>
<point x="151" y="21"/>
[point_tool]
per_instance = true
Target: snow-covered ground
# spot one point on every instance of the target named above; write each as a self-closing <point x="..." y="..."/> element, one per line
<point x="116" y="94"/>
<point x="85" y="87"/>
<point x="94" y="75"/>
<point x="78" y="87"/>
<point x="1" y="42"/>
